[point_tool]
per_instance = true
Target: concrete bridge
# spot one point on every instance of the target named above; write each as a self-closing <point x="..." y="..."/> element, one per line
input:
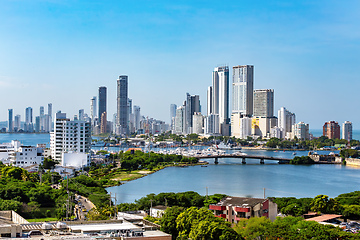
<point x="244" y="157"/>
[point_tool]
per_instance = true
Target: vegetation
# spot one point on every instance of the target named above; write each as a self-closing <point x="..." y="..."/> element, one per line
<point x="349" y="153"/>
<point x="302" y="160"/>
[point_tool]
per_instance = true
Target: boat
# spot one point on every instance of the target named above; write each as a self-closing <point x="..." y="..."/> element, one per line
<point x="223" y="146"/>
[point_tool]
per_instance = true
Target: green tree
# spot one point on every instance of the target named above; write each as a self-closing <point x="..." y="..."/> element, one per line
<point x="324" y="204"/>
<point x="253" y="228"/>
<point x="168" y="221"/>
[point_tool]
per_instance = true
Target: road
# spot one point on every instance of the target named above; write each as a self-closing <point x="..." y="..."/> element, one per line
<point x="82" y="207"/>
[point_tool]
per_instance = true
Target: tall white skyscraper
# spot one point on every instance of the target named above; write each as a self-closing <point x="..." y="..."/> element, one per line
<point x="49" y="121"/>
<point x="218" y="93"/>
<point x="264" y="103"/>
<point x="122" y="104"/>
<point x="17" y="123"/>
<point x="180" y="120"/>
<point x="93" y="111"/>
<point x="243" y="87"/>
<point x="347" y="131"/>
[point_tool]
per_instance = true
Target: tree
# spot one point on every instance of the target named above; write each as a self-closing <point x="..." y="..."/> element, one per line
<point x="253" y="228"/>
<point x="323" y="204"/>
<point x="168" y="221"/>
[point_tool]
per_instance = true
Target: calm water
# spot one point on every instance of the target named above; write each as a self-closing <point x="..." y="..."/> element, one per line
<point x="25" y="138"/>
<point x="233" y="178"/>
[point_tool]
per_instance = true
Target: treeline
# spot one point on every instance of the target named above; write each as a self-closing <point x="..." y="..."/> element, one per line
<point x="347" y="204"/>
<point x="195" y="223"/>
<point x="307" y="144"/>
<point x="182" y="199"/>
<point x="140" y="160"/>
<point x="22" y="192"/>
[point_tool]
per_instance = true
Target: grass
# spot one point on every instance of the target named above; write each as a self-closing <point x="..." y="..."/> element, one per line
<point x="42" y="219"/>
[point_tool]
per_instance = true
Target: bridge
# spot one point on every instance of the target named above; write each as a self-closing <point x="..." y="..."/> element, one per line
<point x="243" y="157"/>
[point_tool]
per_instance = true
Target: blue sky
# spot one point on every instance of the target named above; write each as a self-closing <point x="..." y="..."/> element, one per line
<point x="61" y="51"/>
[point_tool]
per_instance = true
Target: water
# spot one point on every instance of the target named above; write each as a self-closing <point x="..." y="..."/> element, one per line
<point x="319" y="132"/>
<point x="233" y="178"/>
<point x="26" y="138"/>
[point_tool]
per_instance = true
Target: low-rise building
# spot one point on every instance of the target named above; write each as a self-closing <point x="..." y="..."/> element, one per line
<point x="233" y="209"/>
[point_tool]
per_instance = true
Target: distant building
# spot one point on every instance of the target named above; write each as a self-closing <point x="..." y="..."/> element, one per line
<point x="102" y="102"/>
<point x="17" y="123"/>
<point x="285" y="121"/>
<point x="264" y="103"/>
<point x="192" y="106"/>
<point x="28" y="120"/>
<point x="180" y="120"/>
<point x="198" y="123"/>
<point x="122" y="104"/>
<point x="70" y="137"/>
<point x="234" y="209"/>
<point x="331" y="130"/>
<point x="261" y="126"/>
<point x="37" y="124"/>
<point x="212" y="126"/>
<point x="243" y="87"/>
<point x="103" y="124"/>
<point x="347" y="131"/>
<point x="10" y="121"/>
<point x="93" y="113"/>
<point x="220" y="98"/>
<point x="240" y="126"/>
<point x="300" y="131"/>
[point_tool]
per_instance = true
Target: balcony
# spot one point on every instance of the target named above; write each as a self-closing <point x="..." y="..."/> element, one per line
<point x="216" y="207"/>
<point x="240" y="209"/>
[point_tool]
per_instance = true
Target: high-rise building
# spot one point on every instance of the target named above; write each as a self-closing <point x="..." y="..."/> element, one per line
<point x="122" y="104"/>
<point x="172" y="111"/>
<point x="212" y="126"/>
<point x="192" y="106"/>
<point x="219" y="94"/>
<point x="93" y="109"/>
<point x="17" y="123"/>
<point x="220" y="103"/>
<point x="102" y="102"/>
<point x="137" y="117"/>
<point x="81" y="114"/>
<point x="301" y="131"/>
<point x="70" y="141"/>
<point x="347" y="130"/>
<point x="198" y="123"/>
<point x="243" y="87"/>
<point x="28" y="119"/>
<point x="264" y="103"/>
<point x="37" y="124"/>
<point x="103" y="123"/>
<point x="50" y="117"/>
<point x="331" y="130"/>
<point x="180" y="120"/>
<point x="10" y="121"/>
<point x="285" y="121"/>
<point x="209" y="101"/>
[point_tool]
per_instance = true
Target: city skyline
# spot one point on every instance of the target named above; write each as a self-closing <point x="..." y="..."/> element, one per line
<point x="60" y="50"/>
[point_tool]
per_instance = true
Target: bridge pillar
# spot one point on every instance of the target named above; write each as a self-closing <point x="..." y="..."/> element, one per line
<point x="216" y="161"/>
<point x="262" y="161"/>
<point x="243" y="161"/>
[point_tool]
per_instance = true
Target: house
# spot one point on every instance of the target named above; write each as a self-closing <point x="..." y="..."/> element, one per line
<point x="233" y="209"/>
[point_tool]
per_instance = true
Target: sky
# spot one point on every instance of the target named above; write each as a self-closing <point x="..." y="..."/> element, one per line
<point x="61" y="51"/>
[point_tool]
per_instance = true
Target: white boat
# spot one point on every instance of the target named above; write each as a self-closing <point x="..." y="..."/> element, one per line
<point x="226" y="147"/>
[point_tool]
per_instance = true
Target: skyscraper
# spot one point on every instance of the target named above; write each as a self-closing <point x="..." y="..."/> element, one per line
<point x="137" y="117"/>
<point x="49" y="119"/>
<point x="122" y="104"/>
<point x="17" y="123"/>
<point x="220" y="93"/>
<point x="93" y="114"/>
<point x="347" y="130"/>
<point x="243" y="87"/>
<point x="28" y="119"/>
<point x="192" y="106"/>
<point x="10" y="122"/>
<point x="209" y="101"/>
<point x="102" y="102"/>
<point x="81" y="114"/>
<point x="264" y="103"/>
<point x="285" y="121"/>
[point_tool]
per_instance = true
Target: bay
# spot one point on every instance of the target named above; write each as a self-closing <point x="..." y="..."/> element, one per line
<point x="233" y="178"/>
<point x="27" y="139"/>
